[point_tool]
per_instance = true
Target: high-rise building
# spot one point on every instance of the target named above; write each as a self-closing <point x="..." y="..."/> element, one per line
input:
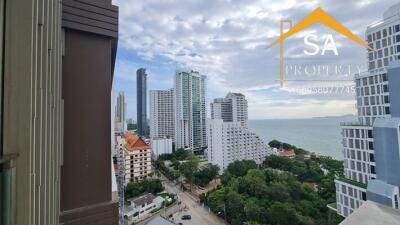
<point x="231" y="141"/>
<point x="120" y="113"/>
<point x="162" y="119"/>
<point x="160" y="146"/>
<point x="232" y="108"/>
<point x="141" y="95"/>
<point x="365" y="141"/>
<point x="190" y="110"/>
<point x="384" y="189"/>
<point x="56" y="78"/>
<point x="228" y="136"/>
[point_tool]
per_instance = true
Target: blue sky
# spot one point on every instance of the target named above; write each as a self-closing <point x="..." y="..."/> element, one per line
<point x="226" y="40"/>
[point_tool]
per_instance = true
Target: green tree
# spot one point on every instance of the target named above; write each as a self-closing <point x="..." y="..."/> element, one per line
<point x="275" y="144"/>
<point x="234" y="208"/>
<point x="134" y="189"/>
<point x="206" y="174"/>
<point x="282" y="214"/>
<point x="277" y="162"/>
<point x="240" y="168"/>
<point x="253" y="210"/>
<point x="189" y="168"/>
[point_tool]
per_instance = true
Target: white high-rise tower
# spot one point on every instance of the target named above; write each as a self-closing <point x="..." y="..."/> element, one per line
<point x="373" y="104"/>
<point x="228" y="136"/>
<point x="162" y="119"/>
<point x="190" y="110"/>
<point x="232" y="108"/>
<point x="120" y="113"/>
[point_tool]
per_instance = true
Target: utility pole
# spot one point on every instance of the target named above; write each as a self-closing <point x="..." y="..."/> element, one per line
<point x="121" y="179"/>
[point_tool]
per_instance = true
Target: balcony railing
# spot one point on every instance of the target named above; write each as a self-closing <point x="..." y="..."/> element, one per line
<point x="7" y="189"/>
<point x="355" y="123"/>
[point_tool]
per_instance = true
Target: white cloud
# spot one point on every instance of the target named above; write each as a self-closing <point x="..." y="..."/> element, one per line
<point x="227" y="40"/>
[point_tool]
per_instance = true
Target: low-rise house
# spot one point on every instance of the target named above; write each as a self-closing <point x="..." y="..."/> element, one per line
<point x="140" y="206"/>
<point x="288" y="153"/>
<point x="158" y="220"/>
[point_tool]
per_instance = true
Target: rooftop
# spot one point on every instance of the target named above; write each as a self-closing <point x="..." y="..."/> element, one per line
<point x="143" y="199"/>
<point x="371" y="213"/>
<point x="134" y="142"/>
<point x="158" y="220"/>
<point x="287" y="153"/>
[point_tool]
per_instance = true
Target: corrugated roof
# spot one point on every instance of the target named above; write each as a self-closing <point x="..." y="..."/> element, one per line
<point x="146" y="198"/>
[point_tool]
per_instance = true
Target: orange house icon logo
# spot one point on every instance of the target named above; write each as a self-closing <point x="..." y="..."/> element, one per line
<point x="318" y="15"/>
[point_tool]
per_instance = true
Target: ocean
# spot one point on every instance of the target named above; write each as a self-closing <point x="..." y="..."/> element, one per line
<point x="319" y="135"/>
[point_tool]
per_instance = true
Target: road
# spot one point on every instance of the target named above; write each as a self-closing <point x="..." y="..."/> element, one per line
<point x="200" y="216"/>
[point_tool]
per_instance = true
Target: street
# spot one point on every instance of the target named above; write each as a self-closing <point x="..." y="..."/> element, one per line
<point x="200" y="216"/>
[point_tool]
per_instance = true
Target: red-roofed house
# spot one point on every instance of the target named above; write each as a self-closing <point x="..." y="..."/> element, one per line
<point x="288" y="153"/>
<point x="137" y="157"/>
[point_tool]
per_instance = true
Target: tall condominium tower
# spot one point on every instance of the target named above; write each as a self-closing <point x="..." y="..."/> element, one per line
<point x="162" y="120"/>
<point x="120" y="112"/>
<point x="141" y="95"/>
<point x="231" y="141"/>
<point x="190" y="110"/>
<point x="57" y="60"/>
<point x="228" y="137"/>
<point x="232" y="108"/>
<point x="372" y="137"/>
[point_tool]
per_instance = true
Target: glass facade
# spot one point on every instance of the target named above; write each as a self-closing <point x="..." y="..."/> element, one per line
<point x="7" y="190"/>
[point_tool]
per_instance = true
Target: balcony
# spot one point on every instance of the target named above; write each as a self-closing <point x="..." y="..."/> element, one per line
<point x="352" y="182"/>
<point x="7" y="189"/>
<point x="355" y="124"/>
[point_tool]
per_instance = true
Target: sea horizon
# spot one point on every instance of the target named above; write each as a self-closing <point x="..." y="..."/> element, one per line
<point x="321" y="135"/>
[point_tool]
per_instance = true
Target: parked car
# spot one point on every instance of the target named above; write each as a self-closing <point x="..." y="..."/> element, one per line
<point x="186" y="217"/>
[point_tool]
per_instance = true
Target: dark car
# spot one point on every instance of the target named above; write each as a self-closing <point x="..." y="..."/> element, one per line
<point x="180" y="223"/>
<point x="186" y="217"/>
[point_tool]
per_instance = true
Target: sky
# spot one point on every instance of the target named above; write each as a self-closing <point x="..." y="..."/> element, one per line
<point x="229" y="42"/>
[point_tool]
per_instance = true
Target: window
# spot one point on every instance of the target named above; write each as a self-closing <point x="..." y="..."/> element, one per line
<point x="386" y="99"/>
<point x="385" y="88"/>
<point x="370" y="145"/>
<point x="384" y="77"/>
<point x="369" y="133"/>
<point x="373" y="170"/>
<point x="364" y="196"/>
<point x="387" y="110"/>
<point x="369" y="38"/>
<point x="378" y="35"/>
<point x="371" y="157"/>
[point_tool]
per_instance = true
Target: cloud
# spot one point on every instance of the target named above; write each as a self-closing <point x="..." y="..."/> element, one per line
<point x="226" y="40"/>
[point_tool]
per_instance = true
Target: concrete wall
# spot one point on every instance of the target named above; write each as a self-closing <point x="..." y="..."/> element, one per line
<point x="33" y="108"/>
<point x="394" y="90"/>
<point x="387" y="152"/>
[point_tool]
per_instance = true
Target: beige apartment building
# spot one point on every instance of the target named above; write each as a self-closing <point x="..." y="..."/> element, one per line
<point x="137" y="158"/>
